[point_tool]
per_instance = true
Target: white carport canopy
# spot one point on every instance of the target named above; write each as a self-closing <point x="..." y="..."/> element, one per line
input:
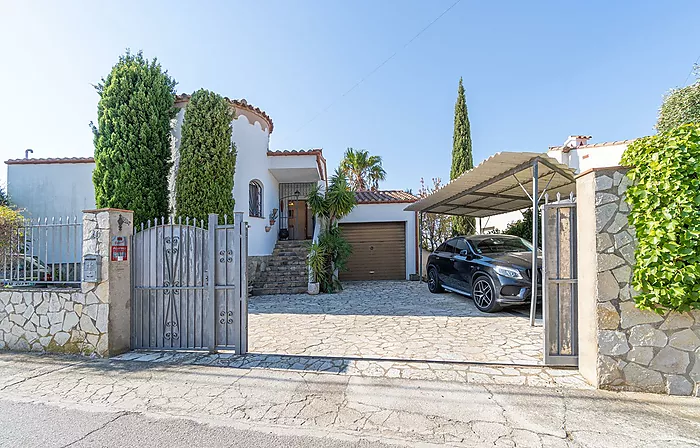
<point x="505" y="182"/>
<point x="500" y="184"/>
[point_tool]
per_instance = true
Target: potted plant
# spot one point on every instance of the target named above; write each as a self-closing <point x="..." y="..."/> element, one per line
<point x="273" y="217"/>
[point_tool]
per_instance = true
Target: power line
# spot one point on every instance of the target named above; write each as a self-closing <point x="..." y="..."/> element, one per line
<point x="378" y="67"/>
<point x="691" y="71"/>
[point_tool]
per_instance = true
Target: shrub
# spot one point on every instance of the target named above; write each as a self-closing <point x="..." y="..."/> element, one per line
<point x="10" y="223"/>
<point x="204" y="182"/>
<point x="132" y="137"/>
<point x="665" y="213"/>
<point x="680" y="106"/>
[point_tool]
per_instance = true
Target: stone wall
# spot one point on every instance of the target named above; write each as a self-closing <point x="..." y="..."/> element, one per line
<point x="62" y="321"/>
<point x="92" y="319"/>
<point x="256" y="266"/>
<point x="622" y="347"/>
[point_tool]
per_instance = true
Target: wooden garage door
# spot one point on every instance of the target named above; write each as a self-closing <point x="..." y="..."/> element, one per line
<point x="378" y="251"/>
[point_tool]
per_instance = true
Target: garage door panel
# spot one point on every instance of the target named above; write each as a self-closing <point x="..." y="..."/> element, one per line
<point x="379" y="251"/>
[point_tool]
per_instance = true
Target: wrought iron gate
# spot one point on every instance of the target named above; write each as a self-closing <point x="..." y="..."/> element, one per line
<point x="190" y="286"/>
<point x="560" y="288"/>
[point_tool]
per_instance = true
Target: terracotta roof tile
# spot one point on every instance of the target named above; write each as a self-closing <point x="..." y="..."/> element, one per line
<point x="594" y="145"/>
<point x="183" y="97"/>
<point x="53" y="160"/>
<point x="295" y="152"/>
<point x="384" y="197"/>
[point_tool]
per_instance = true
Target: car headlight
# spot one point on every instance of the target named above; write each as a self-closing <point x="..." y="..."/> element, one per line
<point x="507" y="272"/>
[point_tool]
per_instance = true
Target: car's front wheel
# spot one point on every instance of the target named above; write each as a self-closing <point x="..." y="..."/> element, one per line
<point x="434" y="285"/>
<point x="484" y="294"/>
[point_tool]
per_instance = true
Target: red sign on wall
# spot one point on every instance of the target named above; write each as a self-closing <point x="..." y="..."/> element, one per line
<point x="119" y="250"/>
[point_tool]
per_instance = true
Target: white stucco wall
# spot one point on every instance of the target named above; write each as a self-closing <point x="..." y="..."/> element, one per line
<point x="499" y="222"/>
<point x="51" y="190"/>
<point x="252" y="142"/>
<point x="586" y="157"/>
<point x="389" y="213"/>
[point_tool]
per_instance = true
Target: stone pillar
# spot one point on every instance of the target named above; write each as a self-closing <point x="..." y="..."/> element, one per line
<point x="112" y="293"/>
<point x="621" y="346"/>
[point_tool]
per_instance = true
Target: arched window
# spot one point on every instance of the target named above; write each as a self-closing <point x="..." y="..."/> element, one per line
<point x="255" y="199"/>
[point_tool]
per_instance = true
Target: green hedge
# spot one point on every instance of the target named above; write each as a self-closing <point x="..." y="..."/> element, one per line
<point x="665" y="212"/>
<point x="132" y="137"/>
<point x="204" y="181"/>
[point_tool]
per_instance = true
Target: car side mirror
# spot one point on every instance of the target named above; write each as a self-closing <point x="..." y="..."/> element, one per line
<point x="465" y="253"/>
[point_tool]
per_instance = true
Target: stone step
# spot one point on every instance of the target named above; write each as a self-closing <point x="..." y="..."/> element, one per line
<point x="286" y="251"/>
<point x="277" y="264"/>
<point x="276" y="291"/>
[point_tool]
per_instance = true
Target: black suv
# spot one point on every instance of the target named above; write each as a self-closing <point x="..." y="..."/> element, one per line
<point x="495" y="270"/>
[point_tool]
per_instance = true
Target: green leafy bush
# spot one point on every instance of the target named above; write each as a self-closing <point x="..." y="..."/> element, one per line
<point x="680" y="106"/>
<point x="521" y="227"/>
<point x="665" y="213"/>
<point x="132" y="137"/>
<point x="204" y="181"/>
<point x="10" y="227"/>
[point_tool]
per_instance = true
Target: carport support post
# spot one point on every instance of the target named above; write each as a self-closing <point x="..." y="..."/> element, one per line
<point x="535" y="221"/>
<point x="420" y="247"/>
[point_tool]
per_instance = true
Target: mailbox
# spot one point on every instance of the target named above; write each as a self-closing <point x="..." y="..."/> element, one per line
<point x="92" y="266"/>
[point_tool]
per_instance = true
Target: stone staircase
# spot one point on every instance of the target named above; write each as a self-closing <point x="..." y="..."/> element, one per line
<point x="286" y="272"/>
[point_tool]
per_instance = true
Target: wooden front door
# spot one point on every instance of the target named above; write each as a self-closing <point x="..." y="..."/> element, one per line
<point x="297" y="219"/>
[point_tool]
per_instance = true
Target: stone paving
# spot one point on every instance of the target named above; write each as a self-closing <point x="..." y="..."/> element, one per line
<point x="538" y="376"/>
<point x="391" y="320"/>
<point x="392" y="410"/>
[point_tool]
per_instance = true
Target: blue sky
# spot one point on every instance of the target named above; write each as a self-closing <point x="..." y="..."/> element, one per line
<point x="534" y="72"/>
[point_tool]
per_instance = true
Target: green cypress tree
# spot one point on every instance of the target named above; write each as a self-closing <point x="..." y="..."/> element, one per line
<point x="204" y="181"/>
<point x="132" y="137"/>
<point x="462" y="159"/>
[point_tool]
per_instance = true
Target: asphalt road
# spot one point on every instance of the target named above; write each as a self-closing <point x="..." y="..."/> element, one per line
<point x="39" y="425"/>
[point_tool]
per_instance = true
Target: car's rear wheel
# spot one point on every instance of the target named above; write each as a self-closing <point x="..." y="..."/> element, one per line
<point x="484" y="294"/>
<point x="434" y="285"/>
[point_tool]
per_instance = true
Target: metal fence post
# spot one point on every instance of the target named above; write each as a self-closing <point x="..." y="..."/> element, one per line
<point x="243" y="280"/>
<point x="211" y="280"/>
<point x="237" y="259"/>
<point x="535" y="201"/>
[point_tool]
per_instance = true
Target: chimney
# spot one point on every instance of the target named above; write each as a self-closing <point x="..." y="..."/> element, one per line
<point x="574" y="141"/>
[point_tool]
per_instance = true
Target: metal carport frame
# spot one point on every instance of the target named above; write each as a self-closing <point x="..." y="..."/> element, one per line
<point x="498" y="185"/>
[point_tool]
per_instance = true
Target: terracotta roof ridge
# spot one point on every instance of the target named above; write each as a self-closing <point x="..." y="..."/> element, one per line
<point x="296" y="151"/>
<point x="49" y="160"/>
<point x="384" y="197"/>
<point x="595" y="145"/>
<point x="243" y="103"/>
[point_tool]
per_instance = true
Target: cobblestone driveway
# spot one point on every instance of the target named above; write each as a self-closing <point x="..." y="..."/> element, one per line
<point x="390" y="320"/>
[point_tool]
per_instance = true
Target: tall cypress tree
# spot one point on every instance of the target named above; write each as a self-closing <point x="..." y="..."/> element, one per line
<point x="462" y="159"/>
<point x="204" y="182"/>
<point x="132" y="137"/>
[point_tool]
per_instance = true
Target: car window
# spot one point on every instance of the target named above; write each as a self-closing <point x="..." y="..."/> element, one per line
<point x="460" y="245"/>
<point x="448" y="246"/>
<point x="441" y="248"/>
<point x="499" y="244"/>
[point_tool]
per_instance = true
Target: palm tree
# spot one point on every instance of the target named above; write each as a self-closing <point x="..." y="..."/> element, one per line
<point x="362" y="170"/>
<point x="330" y="254"/>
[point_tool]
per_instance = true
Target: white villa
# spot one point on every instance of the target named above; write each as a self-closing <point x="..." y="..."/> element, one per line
<point x="265" y="181"/>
